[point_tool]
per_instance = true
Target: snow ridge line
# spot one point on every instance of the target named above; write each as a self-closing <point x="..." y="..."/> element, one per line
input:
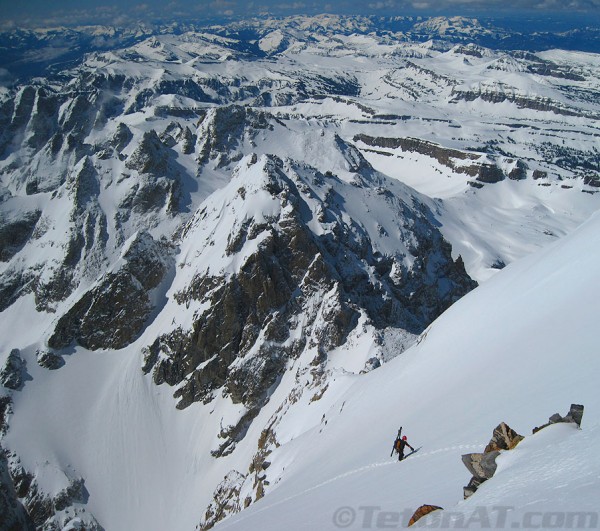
<point x="357" y="471"/>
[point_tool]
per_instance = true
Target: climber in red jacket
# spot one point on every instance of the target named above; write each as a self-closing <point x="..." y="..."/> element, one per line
<point x="399" y="445"/>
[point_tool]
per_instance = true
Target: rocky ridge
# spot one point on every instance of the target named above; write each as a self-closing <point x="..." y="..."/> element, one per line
<point x="282" y="267"/>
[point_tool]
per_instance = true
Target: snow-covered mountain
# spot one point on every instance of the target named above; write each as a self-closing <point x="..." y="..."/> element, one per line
<point x="207" y="241"/>
<point x="529" y="353"/>
<point x="43" y="50"/>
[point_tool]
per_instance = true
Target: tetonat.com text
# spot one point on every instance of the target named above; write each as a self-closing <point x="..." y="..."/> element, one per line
<point x="497" y="517"/>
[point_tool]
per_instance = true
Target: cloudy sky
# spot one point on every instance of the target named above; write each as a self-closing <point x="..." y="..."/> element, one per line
<point x="21" y="12"/>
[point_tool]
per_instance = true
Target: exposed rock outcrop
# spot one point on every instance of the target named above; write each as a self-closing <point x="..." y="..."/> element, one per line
<point x="14" y="371"/>
<point x="422" y="511"/>
<point x="159" y="184"/>
<point x="5" y="411"/>
<point x="113" y="313"/>
<point x="49" y="360"/>
<point x="63" y="510"/>
<point x="575" y="415"/>
<point x="223" y="131"/>
<point x="150" y="156"/>
<point x="416" y="145"/>
<point x="522" y="101"/>
<point x="483" y="465"/>
<point x="13" y="516"/>
<point x="15" y="232"/>
<point x="226" y="500"/>
<point x="483" y="172"/>
<point x="122" y="137"/>
<point x="519" y="172"/>
<point x="504" y="438"/>
<point x="490" y="173"/>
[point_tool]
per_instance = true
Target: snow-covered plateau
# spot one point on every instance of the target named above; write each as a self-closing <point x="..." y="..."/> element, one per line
<point x="235" y="260"/>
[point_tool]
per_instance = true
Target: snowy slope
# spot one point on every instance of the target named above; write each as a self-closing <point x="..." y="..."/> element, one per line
<point x="518" y="349"/>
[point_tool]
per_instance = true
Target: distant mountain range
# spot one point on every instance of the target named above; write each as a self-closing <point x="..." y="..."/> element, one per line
<point x="29" y="52"/>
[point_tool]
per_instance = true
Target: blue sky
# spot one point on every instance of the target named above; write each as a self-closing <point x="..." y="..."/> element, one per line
<point x="111" y="11"/>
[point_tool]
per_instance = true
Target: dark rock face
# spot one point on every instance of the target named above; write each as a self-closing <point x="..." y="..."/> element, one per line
<point x="592" y="180"/>
<point x="49" y="360"/>
<point x="242" y="344"/>
<point x="122" y="137"/>
<point x="574" y="415"/>
<point x="113" y="313"/>
<point x="422" y="511"/>
<point x="15" y="233"/>
<point x="40" y="510"/>
<point x="75" y="492"/>
<point x="231" y="435"/>
<point x="472" y="487"/>
<point x="31" y="118"/>
<point x="475" y="184"/>
<point x="104" y="324"/>
<point x="489" y="173"/>
<point x="259" y="297"/>
<point x="159" y="184"/>
<point x="223" y="130"/>
<point x="14" y="371"/>
<point x="13" y="516"/>
<point x="5" y="411"/>
<point x="485" y="173"/>
<point x="470" y="49"/>
<point x="13" y="284"/>
<point x="416" y="145"/>
<point x="151" y="156"/>
<point x="78" y="117"/>
<point x="519" y="172"/>
<point x="42" y="121"/>
<point x="38" y="505"/>
<point x="504" y="438"/>
<point x="226" y="500"/>
<point x="523" y="102"/>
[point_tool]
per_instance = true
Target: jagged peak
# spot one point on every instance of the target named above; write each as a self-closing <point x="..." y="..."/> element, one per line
<point x="369" y="212"/>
